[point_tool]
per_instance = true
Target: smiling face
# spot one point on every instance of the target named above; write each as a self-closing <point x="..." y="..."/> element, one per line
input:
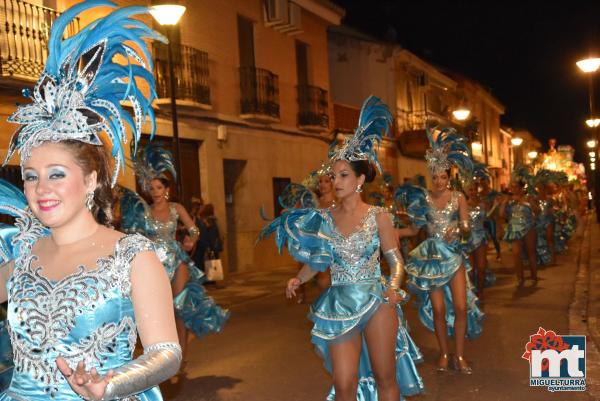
<point x="55" y="185"/>
<point x="158" y="191"/>
<point x="344" y="179"/>
<point x="440" y="181"/>
<point x="325" y="184"/>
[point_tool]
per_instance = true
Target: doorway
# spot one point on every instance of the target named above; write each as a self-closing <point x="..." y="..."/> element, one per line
<point x="232" y="171"/>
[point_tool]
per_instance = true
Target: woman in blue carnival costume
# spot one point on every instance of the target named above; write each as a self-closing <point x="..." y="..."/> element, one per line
<point x="195" y="311"/>
<point x="520" y="231"/>
<point x="436" y="267"/>
<point x="357" y="321"/>
<point x="476" y="244"/>
<point x="490" y="197"/>
<point x="545" y="248"/>
<point x="79" y="292"/>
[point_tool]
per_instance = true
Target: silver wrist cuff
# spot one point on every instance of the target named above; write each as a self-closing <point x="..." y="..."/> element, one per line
<point x="159" y="362"/>
<point x="396" y="263"/>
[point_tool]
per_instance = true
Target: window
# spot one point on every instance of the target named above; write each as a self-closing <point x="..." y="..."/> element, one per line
<point x="246" y="41"/>
<point x="279" y="185"/>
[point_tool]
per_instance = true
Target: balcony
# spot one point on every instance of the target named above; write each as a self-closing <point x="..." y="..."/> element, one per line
<point x="190" y="65"/>
<point x="24" y="36"/>
<point x="313" y="108"/>
<point x="259" y="95"/>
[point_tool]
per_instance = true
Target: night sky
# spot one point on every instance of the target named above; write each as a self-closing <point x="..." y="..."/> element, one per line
<point x="525" y="52"/>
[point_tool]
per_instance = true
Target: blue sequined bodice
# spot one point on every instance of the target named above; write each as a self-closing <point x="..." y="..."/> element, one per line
<point x="356" y="257"/>
<point x="443" y="223"/>
<point x="86" y="316"/>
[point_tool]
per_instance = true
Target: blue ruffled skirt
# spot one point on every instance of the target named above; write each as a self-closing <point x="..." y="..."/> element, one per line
<point x="342" y="312"/>
<point x="431" y="266"/>
<point x="199" y="312"/>
<point x="516" y="229"/>
<point x="476" y="239"/>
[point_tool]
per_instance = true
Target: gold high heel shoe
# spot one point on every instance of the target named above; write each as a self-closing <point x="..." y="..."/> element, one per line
<point x="462" y="366"/>
<point x="442" y="363"/>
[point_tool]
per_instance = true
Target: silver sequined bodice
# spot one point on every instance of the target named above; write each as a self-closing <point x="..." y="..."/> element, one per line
<point x="163" y="229"/>
<point x="86" y="316"/>
<point x="443" y="223"/>
<point x="477" y="217"/>
<point x="356" y="256"/>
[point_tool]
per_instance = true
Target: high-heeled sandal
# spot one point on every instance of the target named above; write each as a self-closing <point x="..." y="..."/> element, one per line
<point x="443" y="366"/>
<point x="462" y="366"/>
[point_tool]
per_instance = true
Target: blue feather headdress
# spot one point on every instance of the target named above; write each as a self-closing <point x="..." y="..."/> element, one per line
<point x="374" y="121"/>
<point x="448" y="149"/>
<point x="154" y="161"/>
<point x="79" y="94"/>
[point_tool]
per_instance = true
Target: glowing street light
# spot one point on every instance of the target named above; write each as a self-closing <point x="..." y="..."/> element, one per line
<point x="167" y="14"/>
<point x="589" y="65"/>
<point x="591" y="144"/>
<point x="516" y="141"/>
<point x="592" y="159"/>
<point x="593" y="122"/>
<point x="477" y="147"/>
<point x="593" y="166"/>
<point x="532" y="155"/>
<point x="461" y="114"/>
<point x="592" y="154"/>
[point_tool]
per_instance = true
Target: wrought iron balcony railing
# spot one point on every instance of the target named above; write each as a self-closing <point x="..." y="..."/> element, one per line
<point x="24" y="34"/>
<point x="313" y="107"/>
<point x="259" y="93"/>
<point x="190" y="68"/>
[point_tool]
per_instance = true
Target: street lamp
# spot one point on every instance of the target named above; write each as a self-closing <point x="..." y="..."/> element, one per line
<point x="592" y="122"/>
<point x="532" y="154"/>
<point x="461" y="114"/>
<point x="168" y="15"/>
<point x="591" y="144"/>
<point x="590" y="66"/>
<point x="516" y="141"/>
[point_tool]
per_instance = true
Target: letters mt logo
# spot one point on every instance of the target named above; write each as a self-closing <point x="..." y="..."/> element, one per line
<point x="555" y="361"/>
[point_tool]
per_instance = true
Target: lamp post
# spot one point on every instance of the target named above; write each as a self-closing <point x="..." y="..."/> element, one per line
<point x="590" y="66"/>
<point x="168" y="15"/>
<point x="516" y="141"/>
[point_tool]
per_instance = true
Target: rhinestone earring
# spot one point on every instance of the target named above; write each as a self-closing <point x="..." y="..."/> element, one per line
<point x="89" y="200"/>
<point x="167" y="196"/>
<point x="358" y="189"/>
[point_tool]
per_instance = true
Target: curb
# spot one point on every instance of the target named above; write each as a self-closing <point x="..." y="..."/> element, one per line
<point x="581" y="321"/>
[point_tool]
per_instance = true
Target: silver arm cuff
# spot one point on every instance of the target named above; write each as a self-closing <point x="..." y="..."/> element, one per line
<point x="306" y="273"/>
<point x="159" y="362"/>
<point x="194" y="232"/>
<point x="396" y="263"/>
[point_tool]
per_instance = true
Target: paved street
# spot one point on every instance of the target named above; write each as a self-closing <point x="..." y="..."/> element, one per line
<point x="264" y="354"/>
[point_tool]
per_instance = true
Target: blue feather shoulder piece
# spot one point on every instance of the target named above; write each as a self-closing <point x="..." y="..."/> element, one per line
<point x="20" y="237"/>
<point x="413" y="199"/>
<point x="134" y="211"/>
<point x="307" y="235"/>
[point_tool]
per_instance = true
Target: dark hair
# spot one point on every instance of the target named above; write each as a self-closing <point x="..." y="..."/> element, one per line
<point x="94" y="158"/>
<point x="207" y="210"/>
<point x="364" y="167"/>
<point x="163" y="180"/>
